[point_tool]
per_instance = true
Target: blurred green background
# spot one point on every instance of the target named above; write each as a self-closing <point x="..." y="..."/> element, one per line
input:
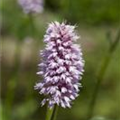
<point x="21" y="42"/>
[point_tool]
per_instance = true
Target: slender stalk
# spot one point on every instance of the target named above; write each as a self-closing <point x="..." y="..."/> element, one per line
<point x="32" y="26"/>
<point x="49" y="113"/>
<point x="52" y="113"/>
<point x="101" y="74"/>
<point x="32" y="33"/>
<point x="98" y="84"/>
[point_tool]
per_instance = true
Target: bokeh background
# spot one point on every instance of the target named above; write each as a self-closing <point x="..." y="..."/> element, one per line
<point x="98" y="22"/>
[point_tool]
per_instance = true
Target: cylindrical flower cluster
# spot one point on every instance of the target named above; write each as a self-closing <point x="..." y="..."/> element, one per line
<point x="61" y="66"/>
<point x="31" y="6"/>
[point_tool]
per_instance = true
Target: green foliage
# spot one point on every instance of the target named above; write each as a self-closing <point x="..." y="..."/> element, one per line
<point x="0" y="111"/>
<point x="99" y="118"/>
<point x="24" y="111"/>
<point x="88" y="11"/>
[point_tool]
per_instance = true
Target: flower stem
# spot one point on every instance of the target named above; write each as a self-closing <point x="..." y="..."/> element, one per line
<point x="52" y="113"/>
<point x="32" y="26"/>
<point x="98" y="84"/>
<point x="101" y="74"/>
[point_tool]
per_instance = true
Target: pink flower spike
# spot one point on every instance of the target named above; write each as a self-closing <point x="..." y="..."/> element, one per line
<point x="61" y="67"/>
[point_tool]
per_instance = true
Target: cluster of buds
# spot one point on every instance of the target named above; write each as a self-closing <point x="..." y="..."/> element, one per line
<point x="31" y="6"/>
<point x="61" y="67"/>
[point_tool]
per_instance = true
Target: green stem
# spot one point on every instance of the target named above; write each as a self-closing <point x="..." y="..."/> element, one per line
<point x="49" y="113"/>
<point x="52" y="113"/>
<point x="97" y="87"/>
<point x="101" y="74"/>
<point x="32" y="26"/>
